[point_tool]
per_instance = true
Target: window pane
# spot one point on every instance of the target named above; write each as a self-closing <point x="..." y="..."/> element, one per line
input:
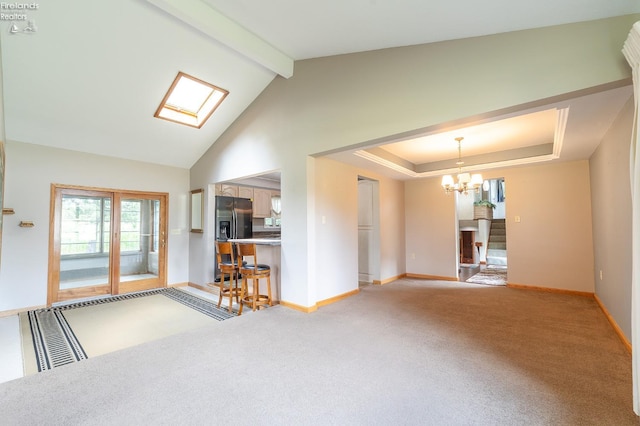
<point x="81" y="227"/>
<point x="130" y="226"/>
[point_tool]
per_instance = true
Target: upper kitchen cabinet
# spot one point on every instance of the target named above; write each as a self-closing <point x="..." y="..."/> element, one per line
<point x="227" y="190"/>
<point x="245" y="192"/>
<point x="261" y="202"/>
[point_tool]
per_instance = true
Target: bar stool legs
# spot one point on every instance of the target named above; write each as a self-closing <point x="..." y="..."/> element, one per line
<point x="254" y="272"/>
<point x="231" y="291"/>
<point x="254" y="298"/>
<point x="227" y="267"/>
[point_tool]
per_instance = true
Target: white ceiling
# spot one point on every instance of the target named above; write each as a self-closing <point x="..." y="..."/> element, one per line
<point x="91" y="78"/>
<point x="525" y="130"/>
<point x="306" y="29"/>
<point x="567" y="130"/>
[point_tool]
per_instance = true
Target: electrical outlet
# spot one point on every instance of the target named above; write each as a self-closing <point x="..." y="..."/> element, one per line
<point x="600" y="274"/>
<point x="413" y="256"/>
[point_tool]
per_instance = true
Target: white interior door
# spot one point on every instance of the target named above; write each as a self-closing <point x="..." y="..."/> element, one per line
<point x="366" y="231"/>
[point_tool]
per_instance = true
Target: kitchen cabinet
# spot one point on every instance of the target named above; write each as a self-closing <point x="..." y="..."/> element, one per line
<point x="245" y="192"/>
<point x="261" y="197"/>
<point x="227" y="190"/>
<point x="261" y="202"/>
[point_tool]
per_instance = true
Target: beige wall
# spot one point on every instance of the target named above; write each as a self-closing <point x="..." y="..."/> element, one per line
<point x="392" y="226"/>
<point x="336" y="200"/>
<point x="31" y="169"/>
<point x="330" y="103"/>
<point x="551" y="246"/>
<point x="430" y="217"/>
<point x="611" y="206"/>
<point x="336" y="219"/>
<point x="352" y="100"/>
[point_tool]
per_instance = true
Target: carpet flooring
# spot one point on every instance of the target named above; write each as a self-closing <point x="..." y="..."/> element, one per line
<point x="412" y="352"/>
<point x="74" y="332"/>
<point x="491" y="275"/>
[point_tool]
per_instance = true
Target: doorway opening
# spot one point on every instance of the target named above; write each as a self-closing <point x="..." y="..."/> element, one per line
<point x="105" y="242"/>
<point x="368" y="231"/>
<point x="246" y="207"/>
<point x="482" y="238"/>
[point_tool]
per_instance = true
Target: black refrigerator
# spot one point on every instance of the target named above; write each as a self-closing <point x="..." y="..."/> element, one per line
<point x="233" y="220"/>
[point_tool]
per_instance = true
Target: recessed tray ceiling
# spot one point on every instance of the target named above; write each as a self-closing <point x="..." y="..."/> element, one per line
<point x="536" y="136"/>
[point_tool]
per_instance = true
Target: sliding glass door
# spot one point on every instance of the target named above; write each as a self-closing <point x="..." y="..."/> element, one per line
<point x="142" y="240"/>
<point x="105" y="242"/>
<point x="82" y="249"/>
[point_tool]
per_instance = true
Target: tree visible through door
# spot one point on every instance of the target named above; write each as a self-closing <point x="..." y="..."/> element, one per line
<point x="105" y="242"/>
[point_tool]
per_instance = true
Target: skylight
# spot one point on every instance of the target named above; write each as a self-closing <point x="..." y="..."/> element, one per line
<point x="190" y="101"/>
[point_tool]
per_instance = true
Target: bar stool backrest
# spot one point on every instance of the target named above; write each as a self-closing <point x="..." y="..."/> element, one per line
<point x="225" y="248"/>
<point x="247" y="250"/>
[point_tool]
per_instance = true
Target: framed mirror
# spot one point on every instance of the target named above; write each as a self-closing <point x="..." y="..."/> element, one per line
<point x="197" y="210"/>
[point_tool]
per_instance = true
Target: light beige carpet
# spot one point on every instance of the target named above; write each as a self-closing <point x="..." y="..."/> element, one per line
<point x="107" y="327"/>
<point x="412" y="352"/>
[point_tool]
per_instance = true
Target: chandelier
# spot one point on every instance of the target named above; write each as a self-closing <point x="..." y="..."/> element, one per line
<point x="466" y="182"/>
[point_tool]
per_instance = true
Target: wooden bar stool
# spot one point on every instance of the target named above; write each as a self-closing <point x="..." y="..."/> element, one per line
<point x="228" y="266"/>
<point x="252" y="270"/>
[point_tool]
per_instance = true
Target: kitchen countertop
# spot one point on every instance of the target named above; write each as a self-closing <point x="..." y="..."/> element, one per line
<point x="260" y="241"/>
<point x="266" y="235"/>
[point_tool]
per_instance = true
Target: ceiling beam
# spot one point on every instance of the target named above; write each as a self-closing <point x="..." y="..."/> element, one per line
<point x="209" y="21"/>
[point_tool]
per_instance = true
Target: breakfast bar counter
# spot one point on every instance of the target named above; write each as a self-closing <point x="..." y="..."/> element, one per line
<point x="268" y="252"/>
<point x="257" y="241"/>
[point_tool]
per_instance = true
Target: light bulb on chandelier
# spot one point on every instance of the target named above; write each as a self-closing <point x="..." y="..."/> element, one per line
<point x="466" y="182"/>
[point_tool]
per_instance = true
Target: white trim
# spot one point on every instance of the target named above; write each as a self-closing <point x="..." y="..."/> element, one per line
<point x="561" y="127"/>
<point x="631" y="51"/>
<point x="386" y="163"/>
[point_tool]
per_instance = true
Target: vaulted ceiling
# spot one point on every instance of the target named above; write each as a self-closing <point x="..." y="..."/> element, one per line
<point x="91" y="77"/>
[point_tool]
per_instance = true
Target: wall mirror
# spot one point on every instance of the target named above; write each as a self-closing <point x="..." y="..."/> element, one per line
<point x="197" y="210"/>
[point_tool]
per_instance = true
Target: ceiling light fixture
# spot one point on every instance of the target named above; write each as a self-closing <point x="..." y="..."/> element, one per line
<point x="466" y="182"/>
